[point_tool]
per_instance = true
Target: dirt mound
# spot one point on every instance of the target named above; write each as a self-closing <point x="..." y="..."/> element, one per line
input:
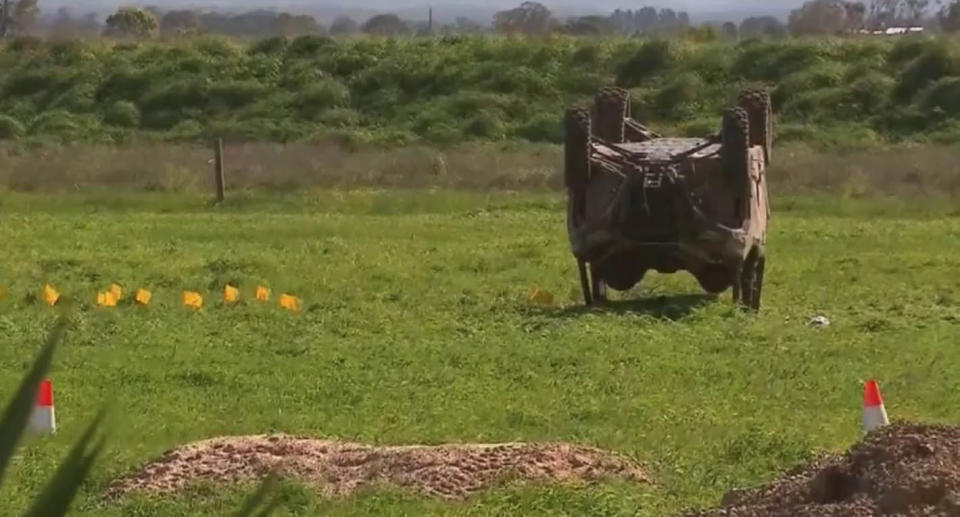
<point x="336" y="468"/>
<point x="906" y="469"/>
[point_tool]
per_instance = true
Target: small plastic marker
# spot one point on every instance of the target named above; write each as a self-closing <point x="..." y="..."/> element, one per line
<point x="143" y="297"/>
<point x="291" y="303"/>
<point x="43" y="420"/>
<point x="263" y="294"/>
<point x="50" y="295"/>
<point x="231" y="294"/>
<point x="106" y="299"/>
<point x="874" y="414"/>
<point x="192" y="299"/>
<point x="116" y="291"/>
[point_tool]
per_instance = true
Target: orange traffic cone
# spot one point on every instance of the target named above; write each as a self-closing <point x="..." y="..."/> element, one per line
<point x="874" y="414"/>
<point x="43" y="420"/>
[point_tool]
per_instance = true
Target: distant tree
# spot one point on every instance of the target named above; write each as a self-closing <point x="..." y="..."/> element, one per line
<point x="623" y="21"/>
<point x="756" y="26"/>
<point x="296" y="25"/>
<point x="884" y="13"/>
<point x="530" y="18"/>
<point x="18" y="16"/>
<point x="258" y="23"/>
<point x="180" y="22"/>
<point x="914" y="10"/>
<point x="647" y="19"/>
<point x="344" y="26"/>
<point x="949" y="17"/>
<point x="590" y="26"/>
<point x="386" y="25"/>
<point x="63" y="15"/>
<point x="818" y="17"/>
<point x="131" y="22"/>
<point x="729" y="30"/>
<point x="855" y="14"/>
<point x="666" y="20"/>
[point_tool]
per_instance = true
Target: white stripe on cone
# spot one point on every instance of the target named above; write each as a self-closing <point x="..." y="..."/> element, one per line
<point x="43" y="420"/>
<point x="874" y="414"/>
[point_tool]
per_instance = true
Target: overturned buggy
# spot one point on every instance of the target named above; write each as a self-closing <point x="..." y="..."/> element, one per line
<point x="638" y="201"/>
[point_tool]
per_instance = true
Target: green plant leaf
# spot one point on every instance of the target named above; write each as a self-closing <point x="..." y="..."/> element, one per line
<point x="62" y="488"/>
<point x="17" y="414"/>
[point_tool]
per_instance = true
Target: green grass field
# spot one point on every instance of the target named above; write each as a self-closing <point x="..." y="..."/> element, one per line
<point x="416" y="329"/>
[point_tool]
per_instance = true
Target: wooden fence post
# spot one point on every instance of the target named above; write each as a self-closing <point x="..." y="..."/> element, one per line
<point x="218" y="168"/>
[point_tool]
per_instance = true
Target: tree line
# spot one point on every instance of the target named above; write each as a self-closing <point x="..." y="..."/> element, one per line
<point x="19" y="17"/>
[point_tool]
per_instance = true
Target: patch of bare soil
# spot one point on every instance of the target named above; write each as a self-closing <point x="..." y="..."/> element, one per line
<point x="336" y="468"/>
<point x="905" y="469"/>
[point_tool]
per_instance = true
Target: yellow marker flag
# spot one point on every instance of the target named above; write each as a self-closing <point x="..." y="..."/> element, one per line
<point x="143" y="296"/>
<point x="231" y="294"/>
<point x="291" y="303"/>
<point x="540" y="296"/>
<point x="117" y="292"/>
<point x="263" y="294"/>
<point x="50" y="295"/>
<point x="192" y="299"/>
<point x="106" y="299"/>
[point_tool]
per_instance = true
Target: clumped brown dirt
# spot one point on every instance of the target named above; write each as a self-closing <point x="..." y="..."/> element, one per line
<point x="337" y="468"/>
<point x="904" y="469"/>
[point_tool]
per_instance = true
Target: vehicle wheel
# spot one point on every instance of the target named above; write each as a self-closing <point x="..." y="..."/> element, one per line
<point x="576" y="166"/>
<point x="576" y="173"/>
<point x="760" y="112"/>
<point x="612" y="109"/>
<point x="576" y="149"/>
<point x="735" y="148"/>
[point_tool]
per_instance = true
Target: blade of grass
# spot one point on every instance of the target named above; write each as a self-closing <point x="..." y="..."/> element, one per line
<point x="61" y="489"/>
<point x="17" y="414"/>
<point x="258" y="497"/>
<point x="270" y="508"/>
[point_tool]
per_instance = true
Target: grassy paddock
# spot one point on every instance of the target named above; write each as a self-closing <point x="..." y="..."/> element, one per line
<point x="907" y="171"/>
<point x="416" y="330"/>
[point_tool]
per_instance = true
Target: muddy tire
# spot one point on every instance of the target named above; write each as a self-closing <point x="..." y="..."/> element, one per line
<point x="576" y="149"/>
<point x="760" y="115"/>
<point x="576" y="174"/>
<point x="612" y="107"/>
<point x="735" y="151"/>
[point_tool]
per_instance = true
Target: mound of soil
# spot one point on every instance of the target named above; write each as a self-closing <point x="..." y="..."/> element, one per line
<point x="335" y="468"/>
<point x="904" y="469"/>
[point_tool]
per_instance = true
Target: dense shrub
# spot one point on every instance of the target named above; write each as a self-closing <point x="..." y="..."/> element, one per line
<point x="943" y="97"/>
<point x="10" y="128"/>
<point x="934" y="63"/>
<point x="323" y="95"/>
<point x="445" y="90"/>
<point x="651" y="59"/>
<point x="123" y="114"/>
